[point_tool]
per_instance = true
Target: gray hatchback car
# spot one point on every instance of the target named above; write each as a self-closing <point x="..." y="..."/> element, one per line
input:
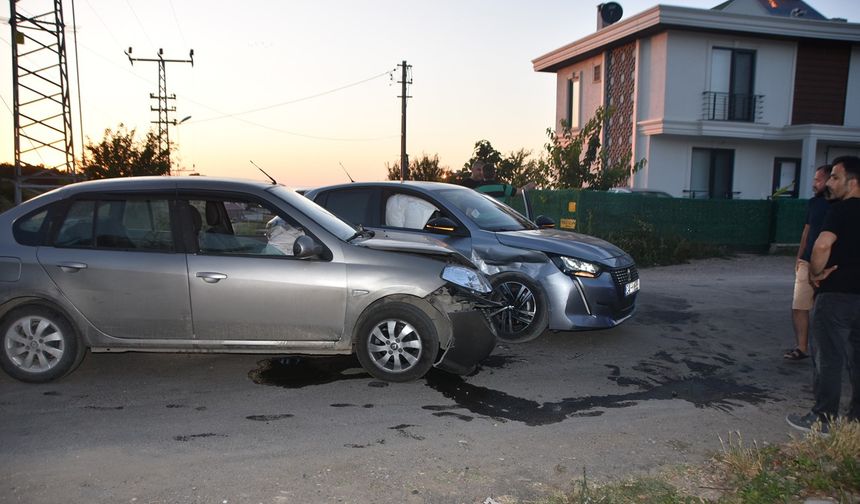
<point x="541" y="277"/>
<point x="193" y="264"/>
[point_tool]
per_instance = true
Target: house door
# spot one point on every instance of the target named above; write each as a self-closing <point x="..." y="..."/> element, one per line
<point x="786" y="175"/>
<point x="712" y="173"/>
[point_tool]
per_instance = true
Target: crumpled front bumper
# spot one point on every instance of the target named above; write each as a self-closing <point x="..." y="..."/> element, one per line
<point x="473" y="340"/>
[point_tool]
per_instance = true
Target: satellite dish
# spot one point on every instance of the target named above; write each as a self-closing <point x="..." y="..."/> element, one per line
<point x="610" y="12"/>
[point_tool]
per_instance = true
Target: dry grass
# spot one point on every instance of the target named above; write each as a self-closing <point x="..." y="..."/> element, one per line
<point x="813" y="465"/>
<point x="745" y="461"/>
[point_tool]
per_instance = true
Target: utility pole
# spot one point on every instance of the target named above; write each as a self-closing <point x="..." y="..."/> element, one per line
<point x="42" y="106"/>
<point x="163" y="108"/>
<point x="405" y="80"/>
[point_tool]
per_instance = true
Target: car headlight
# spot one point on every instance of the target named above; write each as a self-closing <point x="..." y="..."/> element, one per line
<point x="578" y="267"/>
<point x="467" y="278"/>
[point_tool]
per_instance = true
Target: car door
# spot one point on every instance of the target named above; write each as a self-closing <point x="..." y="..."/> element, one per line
<point x="245" y="284"/>
<point x="117" y="261"/>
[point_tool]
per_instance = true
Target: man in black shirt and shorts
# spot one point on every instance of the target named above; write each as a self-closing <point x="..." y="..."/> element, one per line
<point x="834" y="270"/>
<point x="801" y="303"/>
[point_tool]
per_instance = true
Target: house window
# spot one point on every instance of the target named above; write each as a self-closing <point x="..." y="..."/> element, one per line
<point x="598" y="74"/>
<point x="573" y="97"/>
<point x="711" y="174"/>
<point x="731" y="96"/>
<point x="786" y="173"/>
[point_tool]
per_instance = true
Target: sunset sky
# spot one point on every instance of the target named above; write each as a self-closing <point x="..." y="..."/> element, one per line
<point x="300" y="87"/>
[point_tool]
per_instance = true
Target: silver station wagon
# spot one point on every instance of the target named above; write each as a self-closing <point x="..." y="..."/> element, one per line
<point x="194" y="264"/>
<point x="542" y="278"/>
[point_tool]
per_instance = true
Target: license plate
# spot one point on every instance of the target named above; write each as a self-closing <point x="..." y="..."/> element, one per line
<point x="631" y="287"/>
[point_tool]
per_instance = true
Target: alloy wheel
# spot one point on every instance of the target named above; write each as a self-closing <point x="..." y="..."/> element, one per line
<point x="394" y="346"/>
<point x="518" y="307"/>
<point x="34" y="344"/>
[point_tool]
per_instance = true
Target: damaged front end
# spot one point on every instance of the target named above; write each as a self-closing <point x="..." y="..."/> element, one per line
<point x="472" y="337"/>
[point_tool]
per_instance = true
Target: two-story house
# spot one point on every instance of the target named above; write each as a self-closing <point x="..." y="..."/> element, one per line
<point x="732" y="102"/>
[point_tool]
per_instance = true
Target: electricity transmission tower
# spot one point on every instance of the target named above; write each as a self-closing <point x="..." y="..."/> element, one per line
<point x="164" y="108"/>
<point x="40" y="87"/>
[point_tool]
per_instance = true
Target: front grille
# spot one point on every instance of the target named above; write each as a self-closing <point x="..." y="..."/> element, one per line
<point x="623" y="276"/>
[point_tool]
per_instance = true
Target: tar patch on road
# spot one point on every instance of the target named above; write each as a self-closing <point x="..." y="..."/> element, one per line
<point x="403" y="430"/>
<point x="696" y="382"/>
<point x="189" y="437"/>
<point x="354" y="445"/>
<point x="656" y="309"/>
<point x="298" y="372"/>
<point x="269" y="418"/>
<point x="667" y="377"/>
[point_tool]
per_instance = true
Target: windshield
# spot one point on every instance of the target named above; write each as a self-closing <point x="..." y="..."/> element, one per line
<point x="320" y="215"/>
<point x="487" y="213"/>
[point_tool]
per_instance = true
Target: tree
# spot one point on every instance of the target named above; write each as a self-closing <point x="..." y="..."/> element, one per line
<point x="579" y="161"/>
<point x="119" y="155"/>
<point x="518" y="170"/>
<point x="484" y="151"/>
<point x="424" y="168"/>
<point x="515" y="169"/>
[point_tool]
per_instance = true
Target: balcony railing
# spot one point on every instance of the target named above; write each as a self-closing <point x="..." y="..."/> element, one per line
<point x="732" y="107"/>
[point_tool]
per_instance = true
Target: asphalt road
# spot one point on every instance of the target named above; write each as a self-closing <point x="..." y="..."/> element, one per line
<point x="701" y="358"/>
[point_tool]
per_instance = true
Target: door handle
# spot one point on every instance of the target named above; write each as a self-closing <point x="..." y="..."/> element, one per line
<point x="71" y="267"/>
<point x="211" y="276"/>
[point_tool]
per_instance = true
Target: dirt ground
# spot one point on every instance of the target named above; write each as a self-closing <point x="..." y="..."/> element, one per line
<point x="701" y="358"/>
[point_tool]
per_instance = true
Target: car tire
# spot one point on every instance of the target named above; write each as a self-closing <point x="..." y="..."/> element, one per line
<point x="397" y="342"/>
<point x="37" y="344"/>
<point x="523" y="314"/>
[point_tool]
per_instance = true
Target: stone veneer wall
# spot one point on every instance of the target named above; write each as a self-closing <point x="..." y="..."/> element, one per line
<point x="618" y="137"/>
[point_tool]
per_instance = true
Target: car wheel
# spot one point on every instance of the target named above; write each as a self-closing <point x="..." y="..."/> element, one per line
<point x="38" y="344"/>
<point x="397" y="342"/>
<point x="523" y="315"/>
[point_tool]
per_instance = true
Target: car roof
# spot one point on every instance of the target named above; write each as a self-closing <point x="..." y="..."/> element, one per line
<point x="412" y="184"/>
<point x="161" y="183"/>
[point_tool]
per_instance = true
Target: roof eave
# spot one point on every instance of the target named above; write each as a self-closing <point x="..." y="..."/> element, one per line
<point x="662" y="17"/>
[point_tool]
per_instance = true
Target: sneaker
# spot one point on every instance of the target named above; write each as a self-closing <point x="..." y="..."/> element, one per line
<point x="809" y="422"/>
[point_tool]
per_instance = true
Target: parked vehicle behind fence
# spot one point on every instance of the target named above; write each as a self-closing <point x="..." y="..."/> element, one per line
<point x="543" y="277"/>
<point x="194" y="265"/>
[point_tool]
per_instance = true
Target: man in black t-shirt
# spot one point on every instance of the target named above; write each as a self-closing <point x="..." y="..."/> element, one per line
<point x="834" y="270"/>
<point x="801" y="302"/>
<point x="477" y="176"/>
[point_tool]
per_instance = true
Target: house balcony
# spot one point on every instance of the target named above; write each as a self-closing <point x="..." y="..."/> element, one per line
<point x="732" y="107"/>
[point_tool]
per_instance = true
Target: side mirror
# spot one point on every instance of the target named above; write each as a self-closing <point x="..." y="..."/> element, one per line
<point x="442" y="225"/>
<point x="544" y="222"/>
<point x="305" y="246"/>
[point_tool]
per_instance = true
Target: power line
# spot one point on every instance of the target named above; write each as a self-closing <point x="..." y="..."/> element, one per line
<point x="28" y="140"/>
<point x="297" y="100"/>
<point x="176" y="19"/>
<point x="226" y="115"/>
<point x="139" y="22"/>
<point x="102" y="21"/>
<point x="314" y="137"/>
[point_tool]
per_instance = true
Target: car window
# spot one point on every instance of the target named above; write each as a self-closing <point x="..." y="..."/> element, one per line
<point x="134" y="224"/>
<point x="355" y="206"/>
<point x="321" y="216"/>
<point x="484" y="211"/>
<point x="408" y="211"/>
<point x="77" y="227"/>
<point x="147" y="224"/>
<point x="238" y="227"/>
<point x="28" y="230"/>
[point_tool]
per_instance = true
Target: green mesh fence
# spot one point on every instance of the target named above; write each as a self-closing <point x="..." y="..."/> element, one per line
<point x="789" y="219"/>
<point x="739" y="224"/>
